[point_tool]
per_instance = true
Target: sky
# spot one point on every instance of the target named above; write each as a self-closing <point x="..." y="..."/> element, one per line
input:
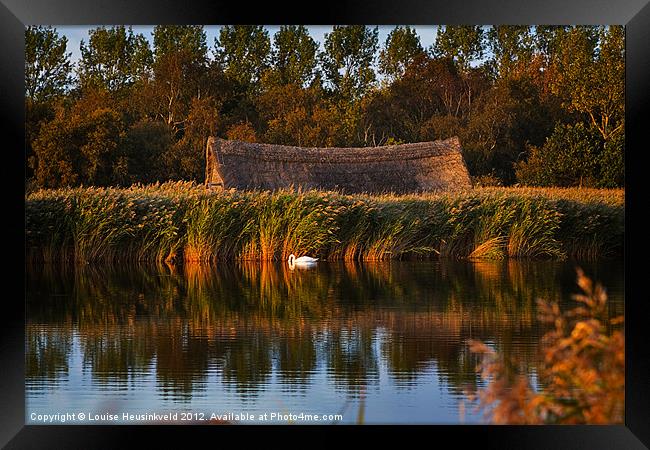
<point x="76" y="34"/>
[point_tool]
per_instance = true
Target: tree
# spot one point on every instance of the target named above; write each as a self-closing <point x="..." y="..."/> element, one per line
<point x="293" y="58"/>
<point x="506" y="119"/>
<point x="348" y="60"/>
<point x="47" y="78"/>
<point x="173" y="38"/>
<point x="243" y="52"/>
<point x="242" y="131"/>
<point x="512" y="47"/>
<point x="180" y="70"/>
<point x="288" y="112"/>
<point x="612" y="161"/>
<point x="429" y="87"/>
<point x="47" y="65"/>
<point x="144" y="146"/>
<point x="569" y="157"/>
<point x="114" y="59"/>
<point x="186" y="160"/>
<point x="401" y="47"/>
<point x="593" y="77"/>
<point x="547" y="40"/>
<point x="79" y="146"/>
<point x="462" y="43"/>
<point x="55" y="163"/>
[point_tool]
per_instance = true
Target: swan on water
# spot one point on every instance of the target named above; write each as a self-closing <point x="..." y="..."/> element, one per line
<point x="302" y="260"/>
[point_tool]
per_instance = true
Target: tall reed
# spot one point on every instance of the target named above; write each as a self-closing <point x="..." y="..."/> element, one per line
<point x="183" y="221"/>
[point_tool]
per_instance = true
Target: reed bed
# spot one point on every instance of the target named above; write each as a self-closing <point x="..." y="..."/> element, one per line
<point x="182" y="221"/>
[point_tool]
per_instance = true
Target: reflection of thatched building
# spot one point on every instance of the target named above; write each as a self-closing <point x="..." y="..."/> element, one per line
<point x="419" y="167"/>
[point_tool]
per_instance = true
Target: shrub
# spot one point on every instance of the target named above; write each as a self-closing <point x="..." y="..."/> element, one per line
<point x="582" y="375"/>
<point x="574" y="155"/>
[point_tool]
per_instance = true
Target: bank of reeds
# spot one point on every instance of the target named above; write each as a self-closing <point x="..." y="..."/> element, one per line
<point x="183" y="221"/>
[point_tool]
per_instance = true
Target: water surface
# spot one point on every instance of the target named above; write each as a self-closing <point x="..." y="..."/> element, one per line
<point x="374" y="343"/>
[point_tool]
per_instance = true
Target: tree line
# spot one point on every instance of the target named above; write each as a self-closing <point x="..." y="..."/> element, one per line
<point x="540" y="106"/>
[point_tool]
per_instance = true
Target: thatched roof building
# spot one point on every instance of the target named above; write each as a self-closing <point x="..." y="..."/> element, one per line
<point x="405" y="168"/>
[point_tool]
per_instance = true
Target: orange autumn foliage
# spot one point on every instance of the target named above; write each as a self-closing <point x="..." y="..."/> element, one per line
<point x="242" y="131"/>
<point x="581" y="378"/>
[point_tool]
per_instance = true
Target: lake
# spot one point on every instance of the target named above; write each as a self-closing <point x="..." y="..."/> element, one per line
<point x="359" y="343"/>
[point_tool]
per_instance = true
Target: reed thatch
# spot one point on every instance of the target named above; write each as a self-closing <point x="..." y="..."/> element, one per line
<point x="405" y="168"/>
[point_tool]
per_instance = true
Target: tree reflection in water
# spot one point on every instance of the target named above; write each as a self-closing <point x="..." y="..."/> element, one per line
<point x="254" y="324"/>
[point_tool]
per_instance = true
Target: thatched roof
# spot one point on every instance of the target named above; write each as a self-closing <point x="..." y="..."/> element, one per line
<point x="418" y="167"/>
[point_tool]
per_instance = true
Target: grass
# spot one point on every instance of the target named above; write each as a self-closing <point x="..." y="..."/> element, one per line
<point x="182" y="221"/>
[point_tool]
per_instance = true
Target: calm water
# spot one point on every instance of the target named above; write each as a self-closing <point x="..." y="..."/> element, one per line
<point x="378" y="343"/>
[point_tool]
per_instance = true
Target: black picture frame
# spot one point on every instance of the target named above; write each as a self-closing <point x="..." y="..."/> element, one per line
<point x="634" y="14"/>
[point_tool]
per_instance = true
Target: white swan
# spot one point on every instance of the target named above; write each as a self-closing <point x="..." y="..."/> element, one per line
<point x="303" y="260"/>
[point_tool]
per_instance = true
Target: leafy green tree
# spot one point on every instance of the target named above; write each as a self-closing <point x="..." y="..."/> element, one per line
<point x="186" y="160"/>
<point x="188" y="91"/>
<point x="242" y="131"/>
<point x="293" y="57"/>
<point x="506" y="119"/>
<point x="594" y="77"/>
<point x="243" y="51"/>
<point x="288" y="111"/>
<point x="79" y="147"/>
<point x="462" y="43"/>
<point x="401" y="47"/>
<point x="114" y="59"/>
<point x="347" y="65"/>
<point x="329" y="128"/>
<point x="47" y="77"/>
<point x="190" y="39"/>
<point x="180" y="71"/>
<point x="550" y="39"/>
<point x="143" y="147"/>
<point x="242" y="54"/>
<point x="569" y="157"/>
<point x="47" y="65"/>
<point x="612" y="161"/>
<point x="429" y="87"/>
<point x="547" y="40"/>
<point x="56" y="154"/>
<point x="348" y="60"/>
<point x="512" y="48"/>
